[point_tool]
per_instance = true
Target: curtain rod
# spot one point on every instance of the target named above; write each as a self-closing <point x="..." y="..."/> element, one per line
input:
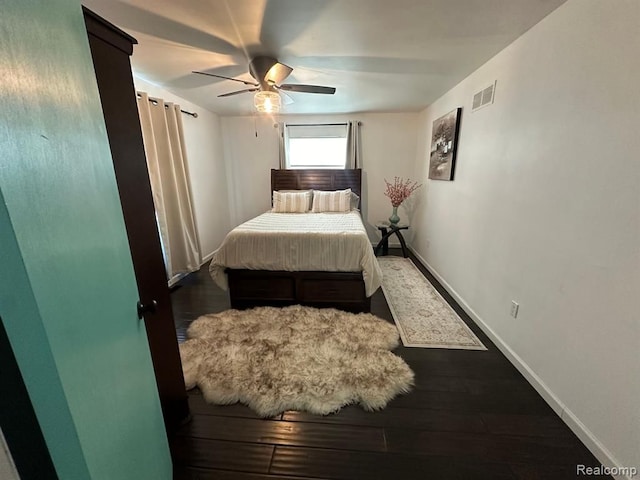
<point x="155" y="102"/>
<point x="316" y="124"/>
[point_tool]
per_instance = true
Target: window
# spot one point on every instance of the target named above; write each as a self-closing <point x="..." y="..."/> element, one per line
<point x="316" y="146"/>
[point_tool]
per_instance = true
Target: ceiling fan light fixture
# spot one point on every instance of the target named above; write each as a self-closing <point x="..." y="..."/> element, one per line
<point x="267" y="102"/>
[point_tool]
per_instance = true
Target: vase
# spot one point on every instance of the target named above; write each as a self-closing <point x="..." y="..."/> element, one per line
<point x="394" y="218"/>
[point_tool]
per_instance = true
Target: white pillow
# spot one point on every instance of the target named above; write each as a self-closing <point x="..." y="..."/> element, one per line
<point x="355" y="201"/>
<point x="309" y="192"/>
<point x="297" y="202"/>
<point x="336" y="201"/>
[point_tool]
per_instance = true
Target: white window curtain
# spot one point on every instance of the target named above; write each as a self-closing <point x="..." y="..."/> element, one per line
<point x="167" y="162"/>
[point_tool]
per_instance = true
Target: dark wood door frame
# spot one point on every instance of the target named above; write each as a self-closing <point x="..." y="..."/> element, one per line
<point x="18" y="419"/>
<point x="111" y="49"/>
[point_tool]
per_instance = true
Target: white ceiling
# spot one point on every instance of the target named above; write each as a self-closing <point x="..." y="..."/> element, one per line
<point x="381" y="55"/>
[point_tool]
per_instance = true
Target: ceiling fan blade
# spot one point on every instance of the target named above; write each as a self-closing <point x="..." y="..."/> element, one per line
<point x="230" y="94"/>
<point x="253" y="84"/>
<point x="277" y="73"/>
<point x="298" y="87"/>
<point x="286" y="99"/>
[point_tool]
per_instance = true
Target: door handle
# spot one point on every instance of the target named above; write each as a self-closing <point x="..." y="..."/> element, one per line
<point x="146" y="308"/>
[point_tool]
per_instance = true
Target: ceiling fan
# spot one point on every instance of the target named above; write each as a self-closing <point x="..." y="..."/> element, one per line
<point x="269" y="75"/>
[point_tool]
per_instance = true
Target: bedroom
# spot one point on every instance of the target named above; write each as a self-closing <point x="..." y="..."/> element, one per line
<point x="562" y="240"/>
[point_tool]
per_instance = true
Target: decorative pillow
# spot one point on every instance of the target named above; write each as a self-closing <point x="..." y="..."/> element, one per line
<point x="355" y="201"/>
<point x="297" y="202"/>
<point x="336" y="201"/>
<point x="309" y="192"/>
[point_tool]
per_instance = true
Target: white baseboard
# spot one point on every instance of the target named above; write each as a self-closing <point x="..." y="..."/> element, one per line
<point x="206" y="259"/>
<point x="603" y="455"/>
<point x="392" y="244"/>
<point x="176" y="278"/>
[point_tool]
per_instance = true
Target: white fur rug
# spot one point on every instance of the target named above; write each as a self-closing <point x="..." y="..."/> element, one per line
<point x="294" y="358"/>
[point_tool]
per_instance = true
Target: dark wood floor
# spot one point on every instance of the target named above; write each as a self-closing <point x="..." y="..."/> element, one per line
<point x="471" y="416"/>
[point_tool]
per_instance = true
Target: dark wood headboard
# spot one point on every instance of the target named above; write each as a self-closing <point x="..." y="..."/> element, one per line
<point x="317" y="179"/>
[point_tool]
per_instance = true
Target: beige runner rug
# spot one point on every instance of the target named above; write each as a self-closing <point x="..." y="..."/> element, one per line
<point x="422" y="316"/>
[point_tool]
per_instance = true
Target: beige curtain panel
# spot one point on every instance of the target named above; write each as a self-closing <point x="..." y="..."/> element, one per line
<point x="166" y="159"/>
<point x="282" y="154"/>
<point x="353" y="144"/>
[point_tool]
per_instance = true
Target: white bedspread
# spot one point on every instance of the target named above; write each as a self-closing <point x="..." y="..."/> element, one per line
<point x="333" y="242"/>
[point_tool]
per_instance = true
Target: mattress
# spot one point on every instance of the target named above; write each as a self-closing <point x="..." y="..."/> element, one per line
<point x="331" y="242"/>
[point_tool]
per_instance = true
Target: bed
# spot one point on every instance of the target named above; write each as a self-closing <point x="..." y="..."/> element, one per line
<point x="316" y="259"/>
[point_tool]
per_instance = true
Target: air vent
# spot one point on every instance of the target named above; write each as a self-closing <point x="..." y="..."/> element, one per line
<point x="484" y="97"/>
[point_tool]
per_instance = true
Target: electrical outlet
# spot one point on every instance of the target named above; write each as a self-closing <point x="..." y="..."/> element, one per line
<point x="514" y="308"/>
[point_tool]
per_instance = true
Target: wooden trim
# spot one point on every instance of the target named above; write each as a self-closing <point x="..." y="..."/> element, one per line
<point x="18" y="419"/>
<point x="110" y="51"/>
<point x="108" y="32"/>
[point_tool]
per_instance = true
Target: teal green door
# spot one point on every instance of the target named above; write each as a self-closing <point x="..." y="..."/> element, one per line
<point x="67" y="288"/>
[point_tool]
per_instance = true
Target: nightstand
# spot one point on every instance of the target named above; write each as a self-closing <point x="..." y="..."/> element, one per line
<point x="387" y="229"/>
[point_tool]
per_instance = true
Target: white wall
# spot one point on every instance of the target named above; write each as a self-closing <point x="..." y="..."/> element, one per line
<point x="388" y="149"/>
<point x="545" y="210"/>
<point x="250" y="152"/>
<point x="207" y="175"/>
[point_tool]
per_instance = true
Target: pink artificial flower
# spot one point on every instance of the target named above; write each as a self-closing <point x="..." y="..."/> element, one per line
<point x="400" y="190"/>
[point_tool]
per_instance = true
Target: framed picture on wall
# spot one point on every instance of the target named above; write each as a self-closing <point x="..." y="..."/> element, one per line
<point x="444" y="140"/>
